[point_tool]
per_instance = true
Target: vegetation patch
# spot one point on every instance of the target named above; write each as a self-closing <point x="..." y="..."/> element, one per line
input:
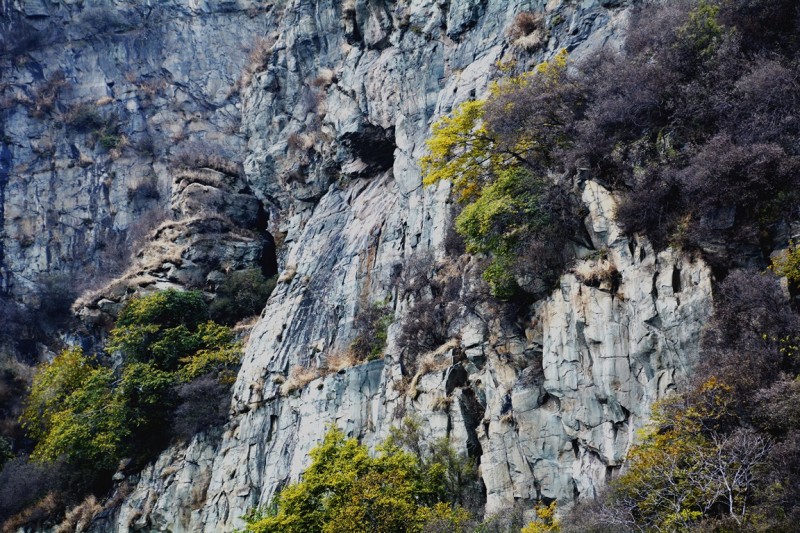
<point x="407" y="486"/>
<point x="86" y="416"/>
<point x="371" y="325"/>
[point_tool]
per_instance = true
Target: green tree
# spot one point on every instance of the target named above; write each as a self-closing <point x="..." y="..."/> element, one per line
<point x="159" y="327"/>
<point x="346" y="490"/>
<point x="478" y="141"/>
<point x="242" y="294"/>
<point x="94" y="416"/>
<point x="171" y="331"/>
<point x="501" y="220"/>
<point x="496" y="153"/>
<point x="691" y="465"/>
<point x="72" y="412"/>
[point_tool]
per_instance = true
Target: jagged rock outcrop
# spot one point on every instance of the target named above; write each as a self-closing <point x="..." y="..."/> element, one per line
<point x="97" y="98"/>
<point x="338" y="101"/>
<point x="549" y="407"/>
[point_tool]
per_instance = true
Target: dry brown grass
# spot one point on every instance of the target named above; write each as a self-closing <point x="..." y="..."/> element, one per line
<point x="524" y="24"/>
<point x="202" y="154"/>
<point x="259" y="53"/>
<point x="527" y="30"/>
<point x="349" y="8"/>
<point x="38" y="512"/>
<point x="203" y="176"/>
<point x="301" y="142"/>
<point x="325" y="79"/>
<point x="430" y="362"/>
<point x="593" y="271"/>
<point x="299" y="377"/>
<point x="442" y="403"/>
<point x="437" y="359"/>
<point x="288" y="274"/>
<point x="338" y="361"/>
<point x="80" y="517"/>
<point x="46" y="94"/>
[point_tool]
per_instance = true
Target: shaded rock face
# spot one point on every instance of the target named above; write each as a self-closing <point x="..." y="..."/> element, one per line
<point x="96" y="98"/>
<point x="549" y="407"/>
<point x="338" y="103"/>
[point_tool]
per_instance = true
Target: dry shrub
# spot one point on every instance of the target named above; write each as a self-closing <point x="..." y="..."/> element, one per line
<point x="150" y="86"/>
<point x="438" y="359"/>
<point x="80" y="517"/>
<point x="442" y="403"/>
<point x="349" y="8"/>
<point x="83" y="117"/>
<point x="435" y="361"/>
<point x="325" y="79"/>
<point x="525" y="23"/>
<point x="299" y="377"/>
<point x="300" y="142"/>
<point x="34" y="515"/>
<point x="258" y="56"/>
<point x="201" y="154"/>
<point x="527" y="31"/>
<point x="204" y="403"/>
<point x="595" y="271"/>
<point x="530" y="42"/>
<point x="143" y="189"/>
<point x="337" y="361"/>
<point x="206" y="177"/>
<point x="46" y="94"/>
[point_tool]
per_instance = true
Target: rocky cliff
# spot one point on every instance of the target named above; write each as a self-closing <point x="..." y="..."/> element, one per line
<point x="335" y="101"/>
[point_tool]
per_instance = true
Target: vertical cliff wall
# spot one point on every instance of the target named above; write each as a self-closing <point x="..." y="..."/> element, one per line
<point x="336" y="106"/>
<point x="102" y="102"/>
<point x="335" y="126"/>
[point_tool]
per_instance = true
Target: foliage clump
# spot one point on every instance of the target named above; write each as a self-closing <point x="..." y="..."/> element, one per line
<point x="787" y="264"/>
<point x="241" y="294"/>
<point x="497" y="153"/>
<point x="92" y="415"/>
<point x="345" y="489"/>
<point x="372" y="327"/>
<point x="693" y="123"/>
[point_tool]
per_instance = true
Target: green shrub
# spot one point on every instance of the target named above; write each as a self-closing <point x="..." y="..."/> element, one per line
<point x="72" y="411"/>
<point x="788" y="264"/>
<point x="93" y="415"/>
<point x="160" y="327"/>
<point x="242" y="294"/>
<point x="495" y="152"/>
<point x="345" y="489"/>
<point x="371" y="325"/>
<point x="109" y="140"/>
<point x="84" y="117"/>
<point x="165" y="308"/>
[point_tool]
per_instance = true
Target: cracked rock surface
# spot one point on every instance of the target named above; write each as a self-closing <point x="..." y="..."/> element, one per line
<point x="334" y="117"/>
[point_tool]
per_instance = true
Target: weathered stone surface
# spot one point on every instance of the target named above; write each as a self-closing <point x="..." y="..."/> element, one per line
<point x="151" y="77"/>
<point x="550" y="410"/>
<point x="334" y="121"/>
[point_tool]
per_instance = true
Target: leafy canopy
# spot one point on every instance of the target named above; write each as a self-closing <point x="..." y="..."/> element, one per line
<point x="495" y="152"/>
<point x="346" y="490"/>
<point x="74" y="412"/>
<point x="471" y="151"/>
<point x="93" y="415"/>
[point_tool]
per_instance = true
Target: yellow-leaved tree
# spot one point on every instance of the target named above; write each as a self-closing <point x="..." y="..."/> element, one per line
<point x="498" y="154"/>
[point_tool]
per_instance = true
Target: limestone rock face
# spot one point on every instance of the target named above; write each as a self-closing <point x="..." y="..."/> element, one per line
<point x="337" y="102"/>
<point x="98" y="97"/>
